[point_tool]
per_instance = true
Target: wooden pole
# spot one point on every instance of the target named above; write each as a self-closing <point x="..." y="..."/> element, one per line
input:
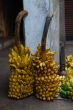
<point x="62" y="37"/>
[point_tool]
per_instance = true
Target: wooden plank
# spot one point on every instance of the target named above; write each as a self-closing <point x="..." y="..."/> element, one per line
<point x="62" y="37"/>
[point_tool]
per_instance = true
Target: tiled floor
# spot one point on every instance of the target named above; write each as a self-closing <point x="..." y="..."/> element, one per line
<point x="30" y="103"/>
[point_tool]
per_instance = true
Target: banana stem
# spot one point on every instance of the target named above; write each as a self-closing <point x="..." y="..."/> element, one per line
<point x="46" y="27"/>
<point x="17" y="26"/>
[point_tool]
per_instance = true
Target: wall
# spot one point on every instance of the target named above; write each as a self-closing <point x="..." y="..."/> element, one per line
<point x="54" y="31"/>
<point x="34" y="24"/>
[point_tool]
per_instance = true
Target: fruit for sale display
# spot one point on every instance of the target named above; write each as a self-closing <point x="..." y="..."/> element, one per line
<point x="45" y="69"/>
<point x="67" y="85"/>
<point x="67" y="89"/>
<point x="47" y="81"/>
<point x="69" y="61"/>
<point x="21" y="77"/>
<point x="69" y="66"/>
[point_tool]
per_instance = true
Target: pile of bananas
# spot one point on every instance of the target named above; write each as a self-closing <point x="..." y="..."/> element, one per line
<point x="66" y="90"/>
<point x="69" y="66"/>
<point x="47" y="81"/>
<point x="67" y="85"/>
<point x="69" y="61"/>
<point x="21" y="78"/>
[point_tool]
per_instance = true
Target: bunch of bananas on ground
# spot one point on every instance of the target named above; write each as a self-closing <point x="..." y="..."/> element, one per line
<point x="21" y="77"/>
<point x="67" y="85"/>
<point x="66" y="90"/>
<point x="45" y="69"/>
<point x="69" y="66"/>
<point x="69" y="61"/>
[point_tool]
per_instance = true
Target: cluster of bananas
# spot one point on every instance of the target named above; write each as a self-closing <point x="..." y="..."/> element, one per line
<point x="67" y="84"/>
<point x="47" y="81"/>
<point x="69" y="66"/>
<point x="21" y="78"/>
<point x="66" y="90"/>
<point x="69" y="61"/>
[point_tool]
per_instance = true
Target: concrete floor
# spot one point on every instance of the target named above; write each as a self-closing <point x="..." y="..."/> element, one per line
<point x="30" y="103"/>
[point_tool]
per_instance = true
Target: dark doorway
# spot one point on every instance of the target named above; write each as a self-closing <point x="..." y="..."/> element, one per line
<point x="69" y="20"/>
<point x="13" y="7"/>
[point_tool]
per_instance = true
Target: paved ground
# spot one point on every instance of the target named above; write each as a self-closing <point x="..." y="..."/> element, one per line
<point x="69" y="48"/>
<point x="30" y="103"/>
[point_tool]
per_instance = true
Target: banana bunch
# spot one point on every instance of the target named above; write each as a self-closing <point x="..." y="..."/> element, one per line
<point x="69" y="66"/>
<point x="66" y="90"/>
<point x="46" y="80"/>
<point x="69" y="61"/>
<point x="67" y="85"/>
<point x="21" y="77"/>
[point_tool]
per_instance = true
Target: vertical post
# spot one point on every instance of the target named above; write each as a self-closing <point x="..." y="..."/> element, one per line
<point x="62" y="37"/>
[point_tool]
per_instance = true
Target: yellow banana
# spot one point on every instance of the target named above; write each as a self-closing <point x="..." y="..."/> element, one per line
<point x="26" y="59"/>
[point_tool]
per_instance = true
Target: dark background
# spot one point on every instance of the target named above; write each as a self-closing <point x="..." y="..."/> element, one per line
<point x="13" y="7"/>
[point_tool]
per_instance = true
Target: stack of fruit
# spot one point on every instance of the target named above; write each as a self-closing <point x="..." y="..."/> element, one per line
<point x="21" y="78"/>
<point x="69" y="66"/>
<point x="67" y="85"/>
<point x="47" y="82"/>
